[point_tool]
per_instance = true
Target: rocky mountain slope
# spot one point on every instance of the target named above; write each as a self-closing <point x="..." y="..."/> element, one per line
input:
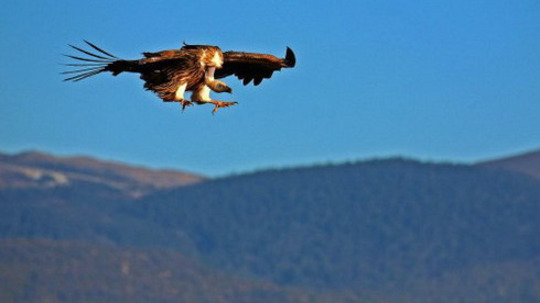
<point x="40" y="170"/>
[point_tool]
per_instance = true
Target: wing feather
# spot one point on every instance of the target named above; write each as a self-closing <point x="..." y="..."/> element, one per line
<point x="253" y="67"/>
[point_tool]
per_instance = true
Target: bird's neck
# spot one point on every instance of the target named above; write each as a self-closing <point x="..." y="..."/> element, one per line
<point x="209" y="75"/>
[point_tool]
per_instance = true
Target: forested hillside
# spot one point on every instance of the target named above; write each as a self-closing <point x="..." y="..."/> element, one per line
<point x="366" y="225"/>
<point x="70" y="271"/>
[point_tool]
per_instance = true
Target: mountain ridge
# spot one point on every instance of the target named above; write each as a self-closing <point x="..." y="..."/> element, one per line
<point x="37" y="169"/>
<point x="527" y="163"/>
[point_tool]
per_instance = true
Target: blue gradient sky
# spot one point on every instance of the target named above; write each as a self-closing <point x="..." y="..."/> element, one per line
<point x="434" y="80"/>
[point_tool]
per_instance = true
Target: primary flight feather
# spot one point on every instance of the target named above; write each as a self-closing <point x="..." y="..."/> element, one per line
<point x="195" y="68"/>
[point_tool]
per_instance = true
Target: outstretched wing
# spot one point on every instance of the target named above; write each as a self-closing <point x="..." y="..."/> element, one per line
<point x="250" y="66"/>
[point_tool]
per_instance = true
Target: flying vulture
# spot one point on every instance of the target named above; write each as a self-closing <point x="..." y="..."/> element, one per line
<point x="195" y="68"/>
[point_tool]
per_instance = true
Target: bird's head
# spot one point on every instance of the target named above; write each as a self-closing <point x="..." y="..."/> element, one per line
<point x="219" y="86"/>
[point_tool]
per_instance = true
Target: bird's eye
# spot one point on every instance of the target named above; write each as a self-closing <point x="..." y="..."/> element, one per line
<point x="220" y="86"/>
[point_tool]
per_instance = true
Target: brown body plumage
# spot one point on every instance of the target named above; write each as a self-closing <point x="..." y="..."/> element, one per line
<point x="192" y="68"/>
<point x="164" y="74"/>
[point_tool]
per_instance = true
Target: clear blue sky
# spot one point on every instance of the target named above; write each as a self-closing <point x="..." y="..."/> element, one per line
<point x="434" y="80"/>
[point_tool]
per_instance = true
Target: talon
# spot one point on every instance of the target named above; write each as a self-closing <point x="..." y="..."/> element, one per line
<point x="219" y="104"/>
<point x="185" y="103"/>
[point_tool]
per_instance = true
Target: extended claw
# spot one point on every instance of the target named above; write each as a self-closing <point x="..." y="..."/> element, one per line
<point x="219" y="104"/>
<point x="185" y="103"/>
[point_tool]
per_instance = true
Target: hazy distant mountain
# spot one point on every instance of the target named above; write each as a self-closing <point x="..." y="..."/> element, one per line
<point x="528" y="163"/>
<point x="35" y="169"/>
<point x="390" y="230"/>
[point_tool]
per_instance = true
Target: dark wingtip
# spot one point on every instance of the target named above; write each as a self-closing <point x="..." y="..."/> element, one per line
<point x="290" y="58"/>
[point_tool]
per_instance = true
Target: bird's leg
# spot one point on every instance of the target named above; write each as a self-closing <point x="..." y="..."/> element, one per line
<point x="220" y="104"/>
<point x="185" y="103"/>
<point x="201" y="95"/>
<point x="182" y="101"/>
<point x="179" y="96"/>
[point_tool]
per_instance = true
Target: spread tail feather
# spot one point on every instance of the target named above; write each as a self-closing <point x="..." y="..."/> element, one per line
<point x="96" y="63"/>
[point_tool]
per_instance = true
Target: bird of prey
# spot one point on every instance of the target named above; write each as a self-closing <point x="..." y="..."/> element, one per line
<point x="195" y="68"/>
